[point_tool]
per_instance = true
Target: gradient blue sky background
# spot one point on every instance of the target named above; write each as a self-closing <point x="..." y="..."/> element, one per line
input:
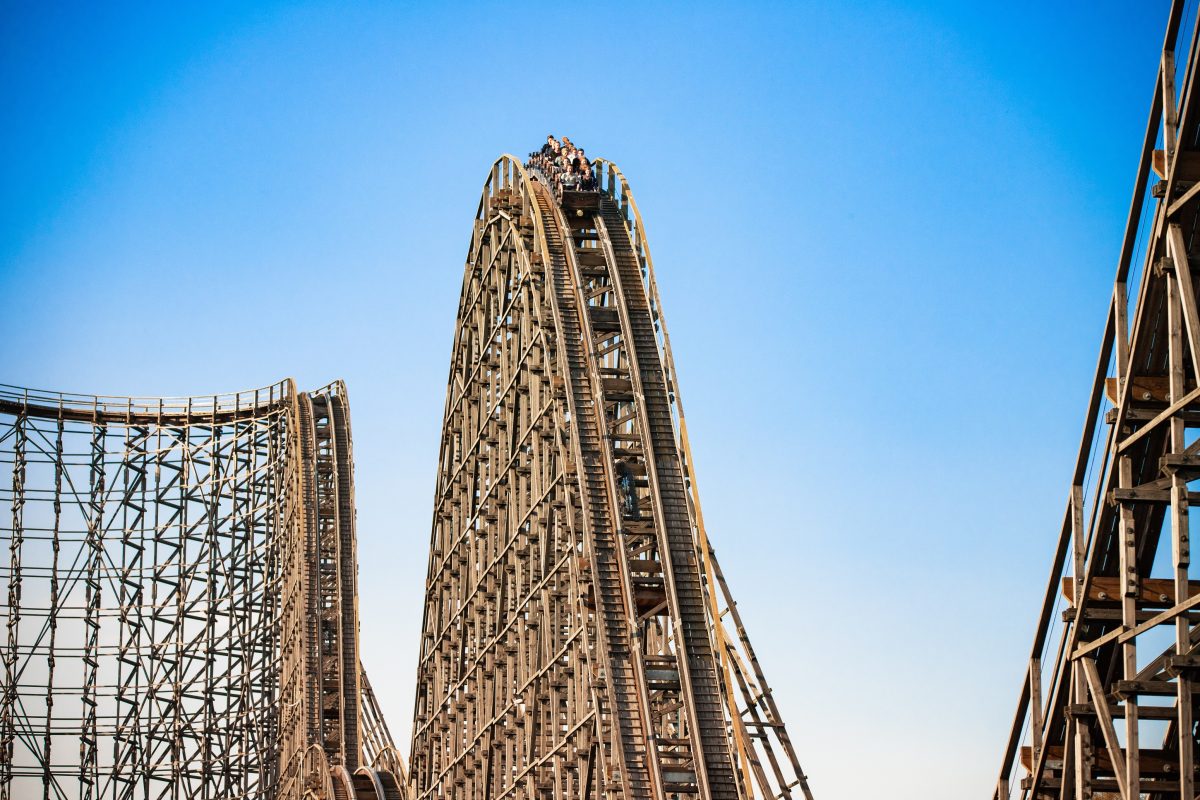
<point x="885" y="237"/>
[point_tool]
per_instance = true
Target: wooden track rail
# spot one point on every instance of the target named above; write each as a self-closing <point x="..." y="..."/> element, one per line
<point x="615" y="604"/>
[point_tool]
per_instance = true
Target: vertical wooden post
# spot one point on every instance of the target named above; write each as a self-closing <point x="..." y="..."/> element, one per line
<point x="1180" y="548"/>
<point x="1035" y="707"/>
<point x="1170" y="112"/>
<point x="1078" y="543"/>
<point x="1078" y="737"/>
<point x="1082" y="738"/>
<point x="1121" y="334"/>
<point x="1129" y="592"/>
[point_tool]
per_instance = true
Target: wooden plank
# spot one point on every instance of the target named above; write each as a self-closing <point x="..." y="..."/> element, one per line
<point x="1145" y="389"/>
<point x="1155" y="762"/>
<point x="1179" y="462"/>
<point x="1147" y="494"/>
<point x="1151" y="591"/>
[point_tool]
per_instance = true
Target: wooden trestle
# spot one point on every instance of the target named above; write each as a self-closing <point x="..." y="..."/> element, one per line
<point x="202" y="552"/>
<point x="1107" y="707"/>
<point x="574" y="642"/>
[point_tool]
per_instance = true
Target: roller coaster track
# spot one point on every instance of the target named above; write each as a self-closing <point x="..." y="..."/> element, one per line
<point x="181" y="616"/>
<point x="1107" y="706"/>
<point x="613" y="600"/>
<point x="182" y="573"/>
<point x="567" y="518"/>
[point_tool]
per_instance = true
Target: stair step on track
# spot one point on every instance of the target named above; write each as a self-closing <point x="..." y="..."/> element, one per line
<point x="627" y="712"/>
<point x="654" y="406"/>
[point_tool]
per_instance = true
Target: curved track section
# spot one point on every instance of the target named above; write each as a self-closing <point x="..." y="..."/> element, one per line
<point x="180" y="617"/>
<point x="505" y="703"/>
<point x="572" y="643"/>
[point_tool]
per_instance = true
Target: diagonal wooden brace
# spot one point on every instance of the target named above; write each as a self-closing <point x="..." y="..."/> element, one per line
<point x="1187" y="293"/>
<point x="1104" y="716"/>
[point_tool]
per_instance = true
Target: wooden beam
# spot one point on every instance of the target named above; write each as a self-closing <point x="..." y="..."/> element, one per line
<point x="1187" y="294"/>
<point x="1035" y="706"/>
<point x="1166" y="414"/>
<point x="1096" y="689"/>
<point x="1145" y="389"/>
<point x="1125" y="634"/>
<point x="1151" y="591"/>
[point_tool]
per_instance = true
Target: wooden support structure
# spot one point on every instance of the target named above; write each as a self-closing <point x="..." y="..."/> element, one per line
<point x="579" y="639"/>
<point x="203" y="554"/>
<point x="1115" y="716"/>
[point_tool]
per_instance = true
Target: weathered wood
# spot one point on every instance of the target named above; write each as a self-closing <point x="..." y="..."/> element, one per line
<point x="1144" y="389"/>
<point x="1150" y="592"/>
<point x="1155" y="762"/>
<point x="220" y="553"/>
<point x="1116" y="756"/>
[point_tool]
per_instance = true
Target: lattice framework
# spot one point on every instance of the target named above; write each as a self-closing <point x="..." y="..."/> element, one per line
<point x="182" y="573"/>
<point x="575" y="641"/>
<point x="180" y="616"/>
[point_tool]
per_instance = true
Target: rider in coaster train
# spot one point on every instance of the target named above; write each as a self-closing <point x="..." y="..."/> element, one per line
<point x="565" y="165"/>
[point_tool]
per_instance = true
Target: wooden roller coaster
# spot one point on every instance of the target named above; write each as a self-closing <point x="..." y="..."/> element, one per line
<point x="579" y="639"/>
<point x="181" y="615"/>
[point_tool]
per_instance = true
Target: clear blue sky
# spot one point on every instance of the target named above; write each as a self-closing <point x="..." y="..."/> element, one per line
<point x="885" y="237"/>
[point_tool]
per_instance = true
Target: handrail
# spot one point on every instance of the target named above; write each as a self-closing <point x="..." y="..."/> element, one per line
<point x="41" y="402"/>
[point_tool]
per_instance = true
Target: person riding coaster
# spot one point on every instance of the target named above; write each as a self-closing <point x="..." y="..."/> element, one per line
<point x="564" y="166"/>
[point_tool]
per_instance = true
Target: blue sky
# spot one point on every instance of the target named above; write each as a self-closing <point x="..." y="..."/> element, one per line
<point x="885" y="235"/>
